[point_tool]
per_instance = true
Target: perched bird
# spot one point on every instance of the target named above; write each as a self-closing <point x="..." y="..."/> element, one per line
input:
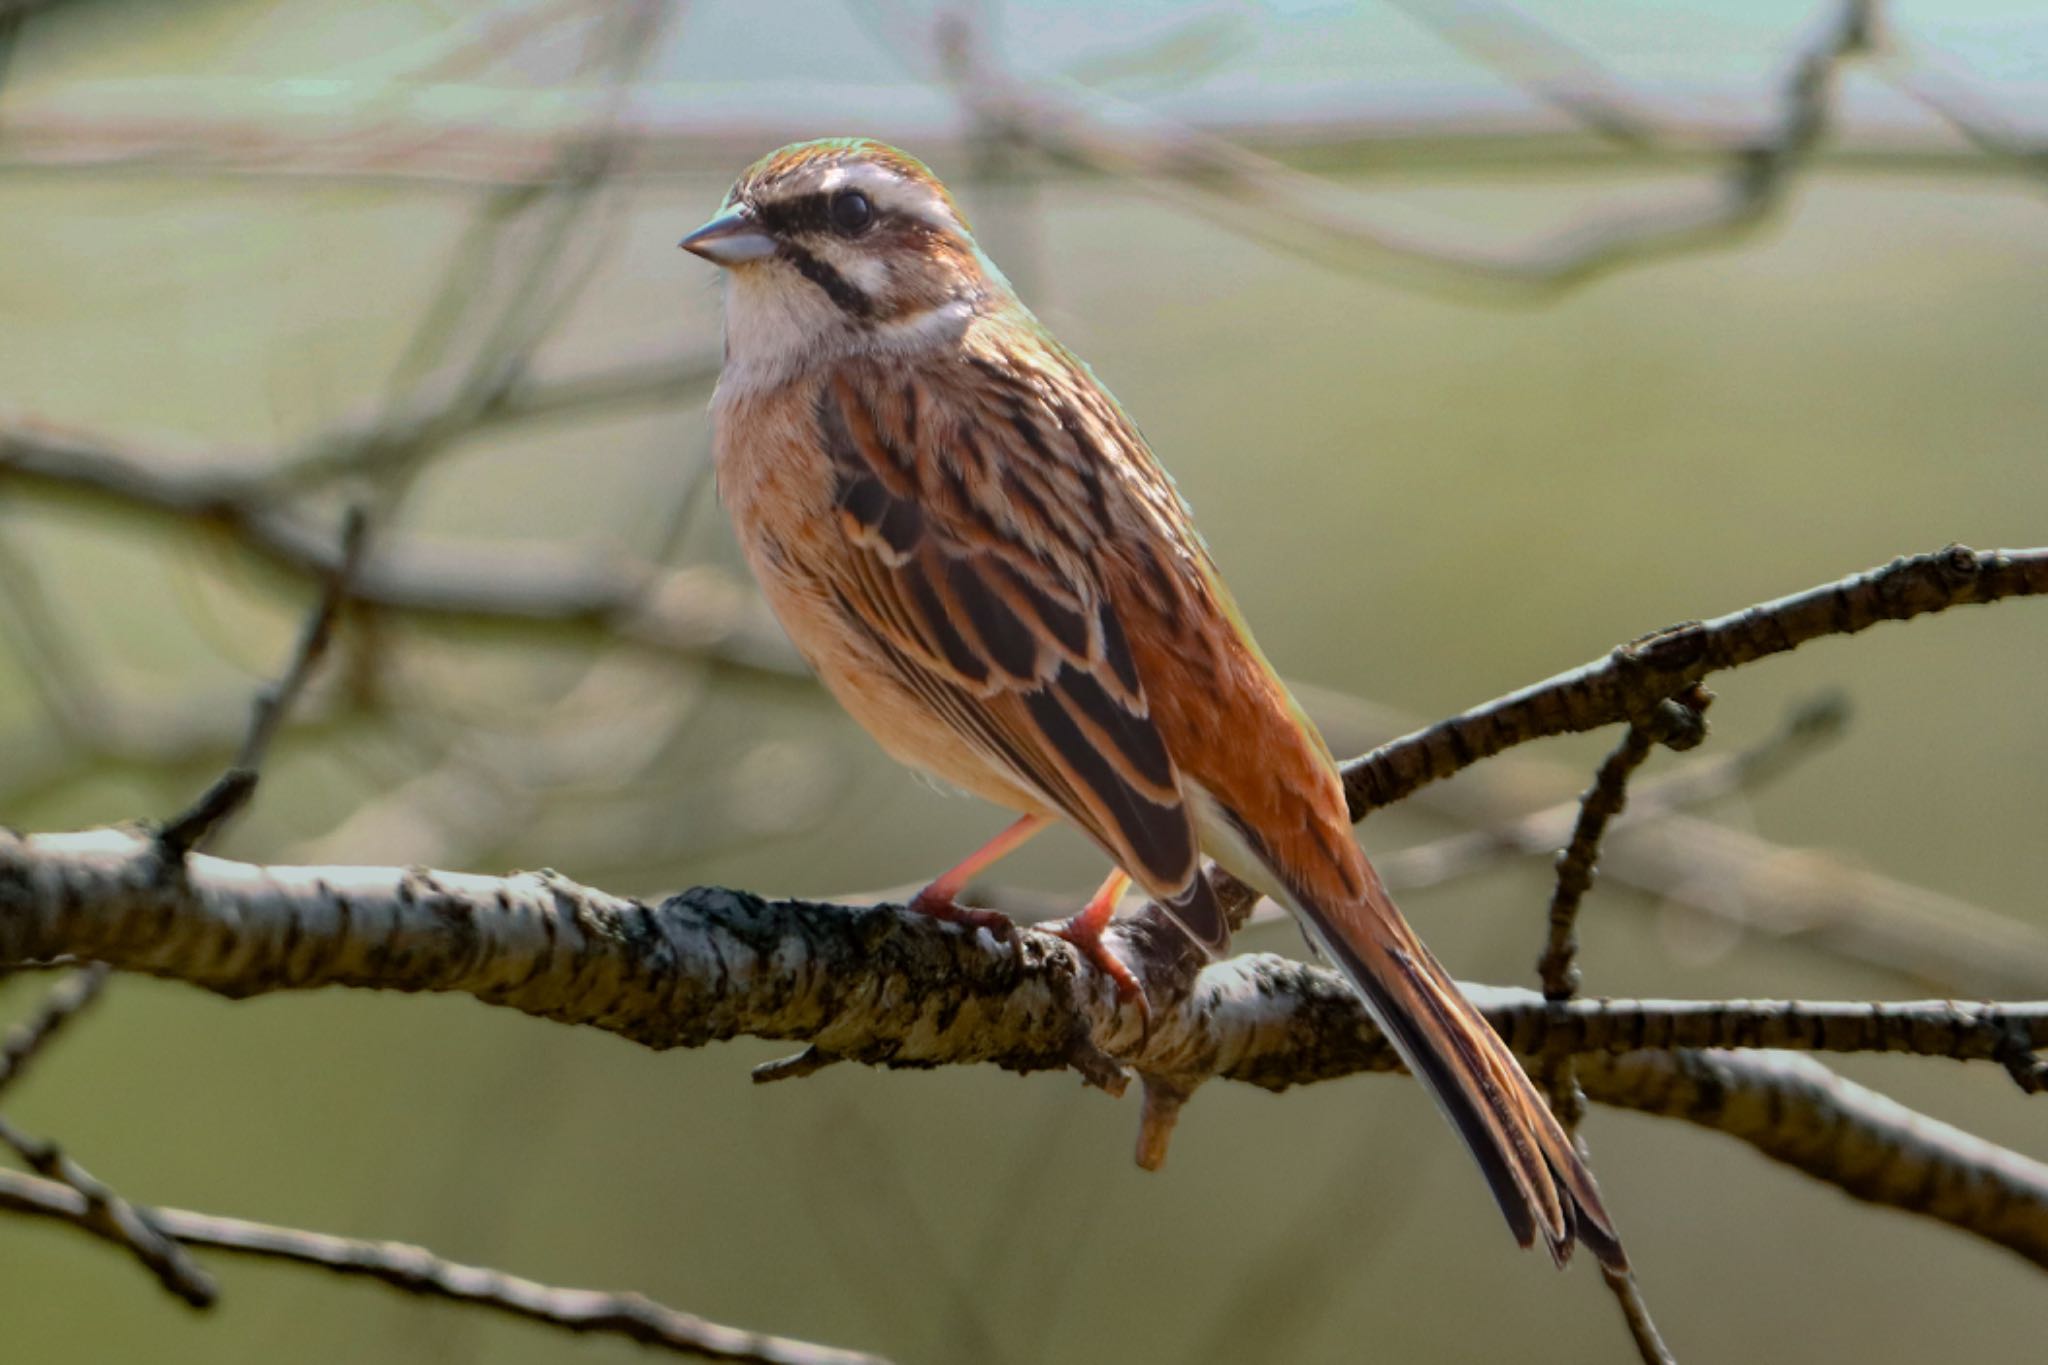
<point x="971" y="544"/>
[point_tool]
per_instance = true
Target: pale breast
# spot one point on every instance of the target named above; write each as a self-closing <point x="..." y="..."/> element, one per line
<point x="778" y="486"/>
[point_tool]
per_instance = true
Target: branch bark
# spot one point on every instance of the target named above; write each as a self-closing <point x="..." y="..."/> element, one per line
<point x="881" y="985"/>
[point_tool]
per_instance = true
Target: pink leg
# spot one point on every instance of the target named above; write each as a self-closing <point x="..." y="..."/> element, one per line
<point x="1084" y="931"/>
<point x="938" y="899"/>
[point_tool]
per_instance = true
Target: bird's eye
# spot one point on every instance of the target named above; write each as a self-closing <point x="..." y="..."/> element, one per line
<point x="851" y="213"/>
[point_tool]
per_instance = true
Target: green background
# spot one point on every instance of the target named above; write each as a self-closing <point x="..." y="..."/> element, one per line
<point x="1419" y="498"/>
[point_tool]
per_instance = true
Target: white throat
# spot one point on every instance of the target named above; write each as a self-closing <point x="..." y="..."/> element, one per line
<point x="774" y="333"/>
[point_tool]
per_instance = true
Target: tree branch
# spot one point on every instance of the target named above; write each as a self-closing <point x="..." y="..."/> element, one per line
<point x="880" y="985"/>
<point x="695" y="613"/>
<point x="102" y="1212"/>
<point x="1269" y="201"/>
<point x="63" y="1003"/>
<point x="419" y="1271"/>
<point x="1637" y="676"/>
<point x="1796" y="1111"/>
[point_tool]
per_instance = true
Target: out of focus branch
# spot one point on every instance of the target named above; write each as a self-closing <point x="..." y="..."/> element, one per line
<point x="194" y="827"/>
<point x="468" y="137"/>
<point x="1268" y="200"/>
<point x="1811" y="724"/>
<point x="64" y="1003"/>
<point x="416" y="1270"/>
<point x="696" y="613"/>
<point x="101" y="1211"/>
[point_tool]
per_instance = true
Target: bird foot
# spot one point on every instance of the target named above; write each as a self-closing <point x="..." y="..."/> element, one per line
<point x="939" y="904"/>
<point x="1085" y="934"/>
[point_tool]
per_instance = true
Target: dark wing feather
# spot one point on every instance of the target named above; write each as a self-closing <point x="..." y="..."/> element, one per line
<point x="1015" y="648"/>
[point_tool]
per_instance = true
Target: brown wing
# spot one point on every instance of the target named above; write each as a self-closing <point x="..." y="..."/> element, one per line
<point x="959" y="579"/>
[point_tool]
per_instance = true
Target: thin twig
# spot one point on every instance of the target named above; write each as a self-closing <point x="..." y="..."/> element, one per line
<point x="64" y="1002"/>
<point x="1680" y="723"/>
<point x="1636" y="676"/>
<point x="1808" y="726"/>
<point x="108" y="1214"/>
<point x="1576" y="864"/>
<point x="1672" y="722"/>
<point x="104" y="1213"/>
<point x="416" y="1270"/>
<point x="1289" y="209"/>
<point x="1635" y="1310"/>
<point x="695" y="613"/>
<point x="221" y="802"/>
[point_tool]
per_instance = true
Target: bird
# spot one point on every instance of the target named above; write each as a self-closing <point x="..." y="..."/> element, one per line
<point x="971" y="544"/>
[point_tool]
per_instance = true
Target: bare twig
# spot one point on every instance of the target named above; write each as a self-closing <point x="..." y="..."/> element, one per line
<point x="1935" y="942"/>
<point x="219" y="804"/>
<point x="1272" y="202"/>
<point x="1679" y="724"/>
<point x="1603" y="801"/>
<point x="694" y="613"/>
<point x="106" y="1214"/>
<point x="1634" y="678"/>
<point x="1808" y="726"/>
<point x="416" y="1270"/>
<point x="65" y="1001"/>
<point x="1635" y="1311"/>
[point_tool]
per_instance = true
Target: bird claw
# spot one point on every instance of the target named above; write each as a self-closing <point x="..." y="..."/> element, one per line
<point x="939" y="905"/>
<point x="1087" y="938"/>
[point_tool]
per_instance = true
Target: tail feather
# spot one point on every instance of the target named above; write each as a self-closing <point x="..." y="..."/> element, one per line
<point x="1541" y="1185"/>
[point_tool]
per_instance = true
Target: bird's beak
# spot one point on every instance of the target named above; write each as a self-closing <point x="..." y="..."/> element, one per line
<point x="730" y="239"/>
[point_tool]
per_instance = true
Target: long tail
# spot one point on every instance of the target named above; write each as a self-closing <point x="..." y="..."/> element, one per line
<point x="1537" y="1178"/>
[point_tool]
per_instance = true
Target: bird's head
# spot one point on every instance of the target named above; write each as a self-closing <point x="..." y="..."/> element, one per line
<point x="838" y="246"/>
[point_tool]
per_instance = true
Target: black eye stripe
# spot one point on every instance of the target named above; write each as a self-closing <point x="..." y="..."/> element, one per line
<point x="837" y="287"/>
<point x="806" y="213"/>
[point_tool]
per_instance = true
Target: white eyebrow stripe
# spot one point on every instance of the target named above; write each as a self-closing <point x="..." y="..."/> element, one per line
<point x="893" y="192"/>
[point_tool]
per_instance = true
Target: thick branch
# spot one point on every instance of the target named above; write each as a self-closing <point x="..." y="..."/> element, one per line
<point x="865" y="983"/>
<point x="881" y="985"/>
<point x="1794" y="1110"/>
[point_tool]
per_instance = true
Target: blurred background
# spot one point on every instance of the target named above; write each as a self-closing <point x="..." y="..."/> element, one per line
<point x="1481" y="339"/>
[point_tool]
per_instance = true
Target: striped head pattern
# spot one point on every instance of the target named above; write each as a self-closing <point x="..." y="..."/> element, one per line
<point x="837" y="246"/>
